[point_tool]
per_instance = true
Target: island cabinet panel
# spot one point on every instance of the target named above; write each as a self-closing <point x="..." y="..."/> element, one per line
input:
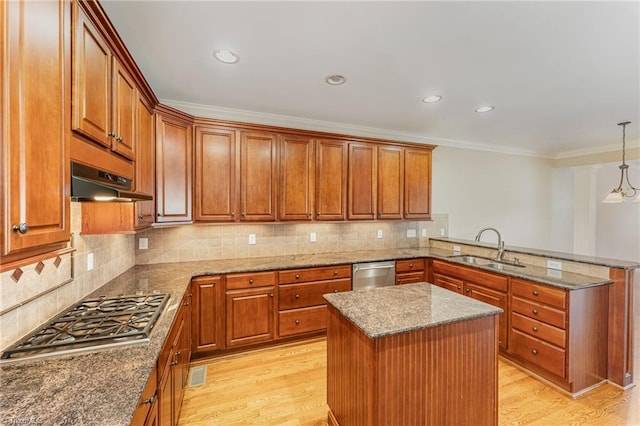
<point x="331" y="179"/>
<point x="35" y="127"/>
<point x="445" y="375"/>
<point x="207" y="313"/>
<point x="258" y="176"/>
<point x="417" y="183"/>
<point x="621" y="325"/>
<point x="390" y="168"/>
<point x="410" y="271"/>
<point x="296" y="178"/>
<point x="362" y="182"/>
<point x="216" y="169"/>
<point x="173" y="168"/>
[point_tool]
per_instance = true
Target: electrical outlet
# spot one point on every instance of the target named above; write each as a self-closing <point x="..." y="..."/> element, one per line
<point x="90" y="262"/>
<point x="313" y="237"/>
<point x="379" y="234"/>
<point x="143" y="243"/>
<point x="411" y="233"/>
<point x="252" y="239"/>
<point x="442" y="232"/>
<point x="424" y="232"/>
<point x="456" y="249"/>
<point x="554" y="264"/>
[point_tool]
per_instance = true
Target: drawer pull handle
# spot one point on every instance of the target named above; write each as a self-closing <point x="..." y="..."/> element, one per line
<point x="297" y="276"/>
<point x="270" y="294"/>
<point x="467" y="290"/>
<point x="150" y="400"/>
<point x="533" y="351"/>
<point x="250" y="281"/>
<point x="535" y="292"/>
<point x="297" y="322"/>
<point x="174" y="362"/>
<point x="297" y="296"/>
<point x="335" y="272"/>
<point x="335" y="291"/>
<point x="535" y="312"/>
<point x="411" y="265"/>
<point x="534" y="328"/>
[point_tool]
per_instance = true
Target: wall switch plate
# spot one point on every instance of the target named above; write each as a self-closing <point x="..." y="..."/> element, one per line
<point x="456" y="249"/>
<point x="554" y="264"/>
<point x="90" y="262"/>
<point x="411" y="233"/>
<point x="252" y="239"/>
<point x="143" y="243"/>
<point x="313" y="237"/>
<point x="379" y="234"/>
<point x="442" y="232"/>
<point x="424" y="232"/>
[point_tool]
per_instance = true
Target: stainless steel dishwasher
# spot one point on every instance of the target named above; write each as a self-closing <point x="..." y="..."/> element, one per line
<point x="373" y="274"/>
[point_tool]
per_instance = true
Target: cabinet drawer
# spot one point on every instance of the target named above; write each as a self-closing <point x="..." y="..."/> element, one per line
<point x="538" y="312"/>
<point x="236" y="281"/>
<point x="409" y="265"/>
<point x="538" y="352"/>
<point x="408" y="278"/>
<point x="539" y="329"/>
<point x="449" y="283"/>
<point x="540" y="293"/>
<point x="303" y="320"/>
<point x="309" y="294"/>
<point x="474" y="275"/>
<point x="314" y="274"/>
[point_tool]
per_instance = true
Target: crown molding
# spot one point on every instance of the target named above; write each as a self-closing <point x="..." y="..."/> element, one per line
<point x="231" y="114"/>
<point x="603" y="149"/>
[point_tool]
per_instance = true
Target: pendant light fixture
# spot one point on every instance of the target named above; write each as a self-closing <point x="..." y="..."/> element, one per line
<point x="618" y="194"/>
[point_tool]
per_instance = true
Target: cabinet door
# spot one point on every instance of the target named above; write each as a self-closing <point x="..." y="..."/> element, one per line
<point x="91" y="81"/>
<point x="331" y="179"/>
<point x="296" y="178"/>
<point x="207" y="314"/>
<point x="258" y="176"/>
<point x="145" y="163"/>
<point x="35" y="126"/>
<point x="166" y="395"/>
<point x="179" y="378"/>
<point x="250" y="316"/>
<point x="494" y="298"/>
<point x="125" y="99"/>
<point x="390" y="182"/>
<point x="448" y="283"/>
<point x="417" y="183"/>
<point x="173" y="169"/>
<point x="216" y="168"/>
<point x="362" y="181"/>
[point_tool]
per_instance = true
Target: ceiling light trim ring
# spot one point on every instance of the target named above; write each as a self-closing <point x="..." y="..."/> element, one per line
<point x="432" y="99"/>
<point x="226" y="56"/>
<point x="335" y="79"/>
<point x="486" y="108"/>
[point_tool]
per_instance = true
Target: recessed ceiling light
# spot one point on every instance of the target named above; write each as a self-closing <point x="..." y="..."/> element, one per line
<point x="485" y="108"/>
<point x="432" y="99"/>
<point x="335" y="79"/>
<point x="226" y="56"/>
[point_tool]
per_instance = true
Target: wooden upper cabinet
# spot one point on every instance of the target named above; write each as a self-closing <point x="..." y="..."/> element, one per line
<point x="35" y="127"/>
<point x="296" y="178"/>
<point x="362" y="181"/>
<point x="215" y="174"/>
<point x="390" y="182"/>
<point x="258" y="176"/>
<point x="331" y="179"/>
<point x="173" y="168"/>
<point x="417" y="183"/>
<point x="145" y="162"/>
<point x="125" y="99"/>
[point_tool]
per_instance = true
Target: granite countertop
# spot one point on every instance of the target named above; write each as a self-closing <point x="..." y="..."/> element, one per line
<point x="386" y="311"/>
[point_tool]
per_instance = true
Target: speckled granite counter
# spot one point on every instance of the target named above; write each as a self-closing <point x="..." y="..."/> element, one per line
<point x="393" y="310"/>
<point x="103" y="387"/>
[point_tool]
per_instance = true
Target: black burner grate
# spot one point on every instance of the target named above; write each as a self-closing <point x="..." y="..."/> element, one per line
<point x="94" y="322"/>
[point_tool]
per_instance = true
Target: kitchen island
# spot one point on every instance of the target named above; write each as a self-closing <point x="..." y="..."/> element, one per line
<point x="411" y="354"/>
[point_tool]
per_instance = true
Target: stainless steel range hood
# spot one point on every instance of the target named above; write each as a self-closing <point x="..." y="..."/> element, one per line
<point x="91" y="184"/>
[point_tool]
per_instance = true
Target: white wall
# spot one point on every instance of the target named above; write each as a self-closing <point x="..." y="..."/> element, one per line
<point x="562" y="210"/>
<point x="511" y="193"/>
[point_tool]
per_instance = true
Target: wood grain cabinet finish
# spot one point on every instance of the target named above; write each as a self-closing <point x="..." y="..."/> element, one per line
<point x="390" y="168"/>
<point x="144" y="182"/>
<point x="35" y="127"/>
<point x="147" y="408"/>
<point x="417" y="183"/>
<point x="104" y="93"/>
<point x="207" y="313"/>
<point x="258" y="176"/>
<point x="296" y="178"/>
<point x="410" y="271"/>
<point x="216" y="174"/>
<point x="331" y="179"/>
<point x="173" y="168"/>
<point x="362" y="181"/>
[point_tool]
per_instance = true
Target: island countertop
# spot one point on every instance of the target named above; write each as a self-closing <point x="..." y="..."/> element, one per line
<point x="386" y="311"/>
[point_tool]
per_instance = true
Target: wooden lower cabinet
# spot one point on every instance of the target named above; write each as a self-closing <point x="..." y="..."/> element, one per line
<point x="147" y="410"/>
<point x="207" y="317"/>
<point x="410" y="271"/>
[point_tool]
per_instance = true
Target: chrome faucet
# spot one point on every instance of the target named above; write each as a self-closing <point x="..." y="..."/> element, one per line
<point x="500" y="242"/>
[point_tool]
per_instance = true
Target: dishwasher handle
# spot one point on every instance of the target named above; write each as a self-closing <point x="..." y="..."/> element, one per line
<point x="367" y="268"/>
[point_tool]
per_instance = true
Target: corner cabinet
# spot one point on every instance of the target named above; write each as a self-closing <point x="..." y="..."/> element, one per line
<point x="35" y="169"/>
<point x="173" y="166"/>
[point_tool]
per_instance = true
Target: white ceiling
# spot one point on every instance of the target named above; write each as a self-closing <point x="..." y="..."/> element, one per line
<point x="560" y="74"/>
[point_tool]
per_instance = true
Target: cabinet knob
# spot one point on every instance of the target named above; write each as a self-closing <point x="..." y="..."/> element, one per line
<point x="270" y="294"/>
<point x="22" y="228"/>
<point x="534" y="328"/>
<point x="111" y="134"/>
<point x="119" y="138"/>
<point x="243" y="214"/>
<point x="178" y="353"/>
<point x="533" y="351"/>
<point x="535" y="312"/>
<point x="535" y="292"/>
<point x="458" y="287"/>
<point x="233" y="214"/>
<point x="411" y="265"/>
<point x="310" y="214"/>
<point x="174" y="362"/>
<point x="150" y="400"/>
<point x="140" y="216"/>
<point x="297" y="296"/>
<point x="335" y="272"/>
<point x="251" y="281"/>
<point x="468" y="290"/>
<point x="297" y="276"/>
<point x="159" y="214"/>
<point x="185" y="304"/>
<point x="297" y="322"/>
<point x="335" y="290"/>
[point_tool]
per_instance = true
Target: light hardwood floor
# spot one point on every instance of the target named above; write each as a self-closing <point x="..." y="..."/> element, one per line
<point x="286" y="385"/>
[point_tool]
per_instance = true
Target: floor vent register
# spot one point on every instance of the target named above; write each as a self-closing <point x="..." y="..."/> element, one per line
<point x="198" y="376"/>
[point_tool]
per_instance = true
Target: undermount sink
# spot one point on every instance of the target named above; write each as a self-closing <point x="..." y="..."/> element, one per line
<point x="485" y="261"/>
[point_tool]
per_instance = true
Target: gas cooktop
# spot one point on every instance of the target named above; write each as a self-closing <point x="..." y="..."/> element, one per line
<point x="93" y="323"/>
